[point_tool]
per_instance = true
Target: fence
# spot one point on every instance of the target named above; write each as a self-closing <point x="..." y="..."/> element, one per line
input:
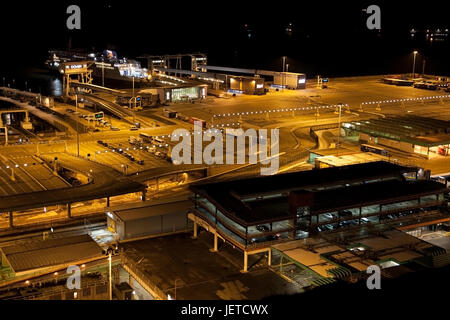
<point x="131" y="267"/>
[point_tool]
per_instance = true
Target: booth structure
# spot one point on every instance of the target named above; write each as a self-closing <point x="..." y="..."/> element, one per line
<point x="149" y="219"/>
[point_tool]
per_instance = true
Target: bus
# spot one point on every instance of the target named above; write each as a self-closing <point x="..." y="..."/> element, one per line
<point x="158" y="141"/>
<point x="146" y="137"/>
<point x="374" y="149"/>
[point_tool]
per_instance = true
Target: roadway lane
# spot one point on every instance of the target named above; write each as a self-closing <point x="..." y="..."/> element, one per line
<point x="106" y="182"/>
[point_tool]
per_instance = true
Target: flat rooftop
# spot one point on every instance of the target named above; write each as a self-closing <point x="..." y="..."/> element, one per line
<point x="230" y="195"/>
<point x="247" y="188"/>
<point x="373" y="193"/>
<point x="345" y="160"/>
<point x="350" y="197"/>
<point x="152" y="209"/>
<point x="50" y="253"/>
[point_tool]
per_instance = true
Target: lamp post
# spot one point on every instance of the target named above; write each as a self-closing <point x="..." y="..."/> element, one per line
<point x="339" y="126"/>
<point x="103" y="73"/>
<point x="414" y="64"/>
<point x="110" y="276"/>
<point x="175" y="298"/>
<point x="284" y="69"/>
<point x="78" y="137"/>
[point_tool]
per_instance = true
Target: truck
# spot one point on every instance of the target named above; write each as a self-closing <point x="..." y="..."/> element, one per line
<point x="134" y="140"/>
<point x="193" y="120"/>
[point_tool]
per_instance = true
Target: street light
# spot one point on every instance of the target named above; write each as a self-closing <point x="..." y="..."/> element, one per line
<point x="414" y="64"/>
<point x="110" y="277"/>
<point x="110" y="251"/>
<point x="78" y="137"/>
<point x="339" y="127"/>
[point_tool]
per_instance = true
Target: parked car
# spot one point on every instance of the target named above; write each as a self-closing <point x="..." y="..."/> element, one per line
<point x="262" y="228"/>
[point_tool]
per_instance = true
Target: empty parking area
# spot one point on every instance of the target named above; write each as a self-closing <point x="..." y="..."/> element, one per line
<point x="201" y="274"/>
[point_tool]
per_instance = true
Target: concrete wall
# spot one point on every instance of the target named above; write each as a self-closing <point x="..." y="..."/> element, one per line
<point x="153" y="226"/>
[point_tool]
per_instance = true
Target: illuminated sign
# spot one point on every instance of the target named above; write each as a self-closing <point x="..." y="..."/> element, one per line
<point x="99" y="115"/>
<point x="301" y="80"/>
<point x="76" y="66"/>
<point x="259" y="86"/>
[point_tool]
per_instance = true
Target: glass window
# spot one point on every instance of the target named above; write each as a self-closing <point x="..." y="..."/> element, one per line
<point x="400" y="205"/>
<point x="179" y="94"/>
<point x="229" y="222"/>
<point x="427" y="199"/>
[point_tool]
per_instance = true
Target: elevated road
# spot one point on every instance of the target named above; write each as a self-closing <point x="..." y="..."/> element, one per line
<point x="94" y="87"/>
<point x="109" y="106"/>
<point x="51" y="119"/>
<point x="116" y="109"/>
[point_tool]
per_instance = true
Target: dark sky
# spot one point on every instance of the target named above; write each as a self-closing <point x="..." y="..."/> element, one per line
<point x="327" y="37"/>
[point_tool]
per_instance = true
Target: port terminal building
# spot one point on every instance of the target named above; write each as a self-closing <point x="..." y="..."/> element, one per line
<point x="426" y="137"/>
<point x="254" y="214"/>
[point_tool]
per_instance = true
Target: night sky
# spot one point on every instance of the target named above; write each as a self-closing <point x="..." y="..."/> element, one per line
<point x="330" y="39"/>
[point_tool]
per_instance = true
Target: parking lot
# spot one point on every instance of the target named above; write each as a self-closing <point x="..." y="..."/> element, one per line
<point x="124" y="156"/>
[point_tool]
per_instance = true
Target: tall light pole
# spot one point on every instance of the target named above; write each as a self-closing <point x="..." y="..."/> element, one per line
<point x="110" y="277"/>
<point x="414" y="64"/>
<point x="284" y="69"/>
<point x="423" y="67"/>
<point x="103" y="73"/>
<point x="339" y="126"/>
<point x="78" y="136"/>
<point x="176" y="288"/>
